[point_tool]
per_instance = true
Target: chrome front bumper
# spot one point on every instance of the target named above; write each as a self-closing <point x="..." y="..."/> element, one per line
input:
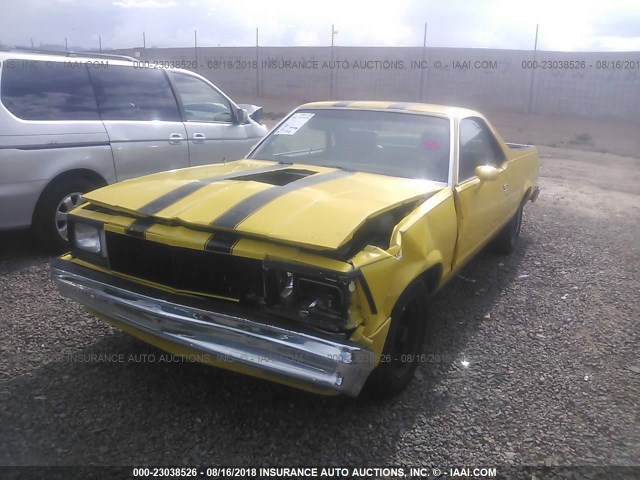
<point x="319" y="363"/>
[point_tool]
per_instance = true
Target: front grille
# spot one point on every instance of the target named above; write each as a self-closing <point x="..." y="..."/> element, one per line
<point x="185" y="269"/>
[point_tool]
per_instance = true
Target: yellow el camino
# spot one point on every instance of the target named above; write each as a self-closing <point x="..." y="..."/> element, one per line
<point x="310" y="261"/>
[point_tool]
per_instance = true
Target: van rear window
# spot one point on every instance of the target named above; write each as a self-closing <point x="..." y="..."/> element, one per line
<point x="35" y="90"/>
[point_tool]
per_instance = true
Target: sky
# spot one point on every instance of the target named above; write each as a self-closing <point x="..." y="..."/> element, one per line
<point x="611" y="25"/>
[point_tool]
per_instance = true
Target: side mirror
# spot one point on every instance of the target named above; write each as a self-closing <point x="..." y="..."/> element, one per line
<point x="257" y="115"/>
<point x="242" y="116"/>
<point x="487" y="173"/>
<point x="254" y="111"/>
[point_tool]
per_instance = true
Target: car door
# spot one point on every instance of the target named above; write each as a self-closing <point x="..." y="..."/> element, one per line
<point x="483" y="205"/>
<point x="141" y="115"/>
<point x="213" y="134"/>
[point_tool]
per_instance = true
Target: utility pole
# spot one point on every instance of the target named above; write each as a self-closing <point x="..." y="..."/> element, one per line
<point x="144" y="45"/>
<point x="334" y="32"/>
<point x="100" y="43"/>
<point x="66" y="46"/>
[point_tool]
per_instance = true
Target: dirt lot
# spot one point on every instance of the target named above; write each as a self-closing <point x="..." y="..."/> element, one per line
<point x="550" y="335"/>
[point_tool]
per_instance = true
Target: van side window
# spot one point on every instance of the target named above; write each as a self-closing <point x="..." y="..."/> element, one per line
<point x="201" y="102"/>
<point x="478" y="147"/>
<point x="127" y="93"/>
<point x="35" y="90"/>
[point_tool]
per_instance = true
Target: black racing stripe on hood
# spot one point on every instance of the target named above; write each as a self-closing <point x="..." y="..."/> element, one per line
<point x="241" y="211"/>
<point x="139" y="227"/>
<point x="221" y="242"/>
<point x="183" y="191"/>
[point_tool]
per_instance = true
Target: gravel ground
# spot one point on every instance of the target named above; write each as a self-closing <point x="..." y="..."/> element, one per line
<point x="550" y="335"/>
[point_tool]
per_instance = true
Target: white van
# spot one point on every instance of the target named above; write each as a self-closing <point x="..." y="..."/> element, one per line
<point x="70" y="123"/>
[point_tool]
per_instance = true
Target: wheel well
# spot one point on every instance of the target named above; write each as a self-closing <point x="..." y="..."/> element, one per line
<point x="527" y="194"/>
<point x="82" y="173"/>
<point x="431" y="277"/>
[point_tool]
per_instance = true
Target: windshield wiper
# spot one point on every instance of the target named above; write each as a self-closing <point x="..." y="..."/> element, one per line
<point x="339" y="167"/>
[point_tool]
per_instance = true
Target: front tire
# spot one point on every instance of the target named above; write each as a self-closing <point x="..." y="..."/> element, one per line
<point x="403" y="344"/>
<point x="50" y="218"/>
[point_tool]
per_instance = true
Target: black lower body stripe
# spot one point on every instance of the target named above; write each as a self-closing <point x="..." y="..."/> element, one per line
<point x="139" y="227"/>
<point x="236" y="214"/>
<point x="221" y="242"/>
<point x="183" y="191"/>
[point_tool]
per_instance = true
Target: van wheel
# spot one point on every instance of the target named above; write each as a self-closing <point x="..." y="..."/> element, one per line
<point x="50" y="219"/>
<point x="403" y="344"/>
<point x="505" y="242"/>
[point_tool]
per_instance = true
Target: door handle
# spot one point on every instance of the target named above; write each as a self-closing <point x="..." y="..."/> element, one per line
<point x="505" y="187"/>
<point x="199" y="138"/>
<point x="175" y="138"/>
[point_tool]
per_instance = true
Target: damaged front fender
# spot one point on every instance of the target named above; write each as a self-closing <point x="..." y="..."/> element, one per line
<point x="422" y="241"/>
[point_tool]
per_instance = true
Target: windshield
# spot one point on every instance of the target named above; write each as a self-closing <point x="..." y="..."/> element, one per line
<point x="388" y="143"/>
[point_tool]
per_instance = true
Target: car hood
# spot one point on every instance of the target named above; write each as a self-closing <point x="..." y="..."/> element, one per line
<point x="310" y="206"/>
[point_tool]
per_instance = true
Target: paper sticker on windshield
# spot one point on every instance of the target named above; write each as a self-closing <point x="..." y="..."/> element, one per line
<point x="292" y="125"/>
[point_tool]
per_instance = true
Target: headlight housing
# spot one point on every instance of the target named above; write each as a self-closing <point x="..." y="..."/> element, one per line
<point x="310" y="296"/>
<point x="87" y="240"/>
<point x="87" y="237"/>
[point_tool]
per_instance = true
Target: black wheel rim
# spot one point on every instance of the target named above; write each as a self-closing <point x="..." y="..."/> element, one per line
<point x="406" y="340"/>
<point x="515" y="229"/>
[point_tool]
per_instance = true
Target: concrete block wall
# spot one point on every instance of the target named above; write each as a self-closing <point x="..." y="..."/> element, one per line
<point x="608" y="85"/>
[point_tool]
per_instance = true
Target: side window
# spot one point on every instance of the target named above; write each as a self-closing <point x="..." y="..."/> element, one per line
<point x="127" y="93"/>
<point x="477" y="147"/>
<point x="201" y="102"/>
<point x="34" y="90"/>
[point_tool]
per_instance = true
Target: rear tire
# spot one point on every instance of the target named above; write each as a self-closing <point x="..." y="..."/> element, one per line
<point x="506" y="241"/>
<point x="50" y="218"/>
<point x="403" y="344"/>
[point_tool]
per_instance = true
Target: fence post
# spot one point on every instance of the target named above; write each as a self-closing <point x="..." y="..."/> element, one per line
<point x="331" y="72"/>
<point x="533" y="72"/>
<point x="334" y="71"/>
<point x="424" y="57"/>
<point x="257" y="63"/>
<point x="195" y="46"/>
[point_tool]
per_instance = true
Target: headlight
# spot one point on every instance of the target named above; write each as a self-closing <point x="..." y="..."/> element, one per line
<point x="321" y="298"/>
<point x="316" y="300"/>
<point x="88" y="237"/>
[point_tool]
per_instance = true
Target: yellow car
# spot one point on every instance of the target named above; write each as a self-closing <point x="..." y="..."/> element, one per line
<point x="310" y="261"/>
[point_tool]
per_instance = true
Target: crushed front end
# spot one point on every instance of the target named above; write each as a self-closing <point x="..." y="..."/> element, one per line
<point x="244" y="304"/>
